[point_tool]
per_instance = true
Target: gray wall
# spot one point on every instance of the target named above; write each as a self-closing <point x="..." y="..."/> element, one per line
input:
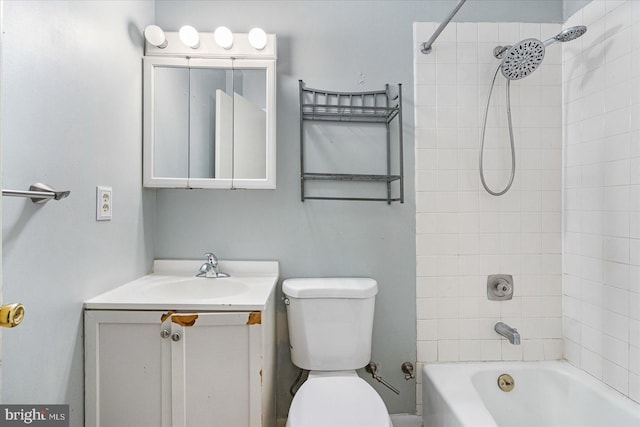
<point x="71" y="117"/>
<point x="335" y="45"/>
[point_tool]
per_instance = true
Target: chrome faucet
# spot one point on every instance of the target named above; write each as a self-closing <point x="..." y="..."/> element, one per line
<point x="210" y="269"/>
<point x="508" y="332"/>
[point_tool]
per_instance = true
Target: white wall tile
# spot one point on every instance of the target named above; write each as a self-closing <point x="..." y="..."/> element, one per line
<point x="634" y="386"/>
<point x="531" y="327"/>
<point x="509" y="32"/>
<point x="616" y="300"/>
<point x="488" y="32"/>
<point x="591" y="315"/>
<point x="490" y="349"/>
<point x="552" y="349"/>
<point x="448" y="34"/>
<point x="427" y="330"/>
<point x="467" y="32"/>
<point x="446" y="96"/>
<point x="593" y="11"/>
<point x="463" y="233"/>
<point x="446" y="53"/>
<point x="607" y="219"/>
<point x="448" y="351"/>
<point x="616" y="325"/>
<point x="426" y="288"/>
<point x="634" y="360"/>
<point x="616" y="376"/>
<point x="511" y="352"/>
<point x="571" y="351"/>
<point x="470" y="350"/>
<point x="591" y="363"/>
<point x="533" y="349"/>
<point x="446" y="73"/>
<point x="528" y="30"/>
<point x="427" y="351"/>
<point x="616" y="249"/>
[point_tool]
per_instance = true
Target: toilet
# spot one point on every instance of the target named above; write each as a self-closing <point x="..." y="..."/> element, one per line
<point x="330" y="326"/>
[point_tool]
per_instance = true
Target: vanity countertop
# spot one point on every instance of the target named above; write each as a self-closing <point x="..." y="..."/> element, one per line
<point x="173" y="286"/>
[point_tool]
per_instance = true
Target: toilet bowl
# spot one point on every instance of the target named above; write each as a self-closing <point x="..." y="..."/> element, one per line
<point x="337" y="399"/>
<point x="330" y="329"/>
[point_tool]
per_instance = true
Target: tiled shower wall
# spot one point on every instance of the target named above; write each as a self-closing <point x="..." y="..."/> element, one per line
<point x="602" y="195"/>
<point x="463" y="233"/>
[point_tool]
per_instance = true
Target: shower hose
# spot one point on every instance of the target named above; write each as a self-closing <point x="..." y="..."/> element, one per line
<point x="484" y="128"/>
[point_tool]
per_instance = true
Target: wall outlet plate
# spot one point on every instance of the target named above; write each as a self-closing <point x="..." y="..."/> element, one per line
<point x="104" y="203"/>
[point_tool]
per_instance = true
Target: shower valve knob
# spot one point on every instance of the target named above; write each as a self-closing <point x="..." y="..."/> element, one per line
<point x="499" y="287"/>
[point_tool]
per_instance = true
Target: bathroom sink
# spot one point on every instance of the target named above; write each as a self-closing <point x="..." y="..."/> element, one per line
<point x="198" y="287"/>
<point x="173" y="286"/>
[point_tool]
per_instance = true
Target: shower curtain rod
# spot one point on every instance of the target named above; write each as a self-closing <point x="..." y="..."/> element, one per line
<point x="426" y="46"/>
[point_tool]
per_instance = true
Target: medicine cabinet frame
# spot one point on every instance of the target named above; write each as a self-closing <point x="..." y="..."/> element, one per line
<point x="240" y="57"/>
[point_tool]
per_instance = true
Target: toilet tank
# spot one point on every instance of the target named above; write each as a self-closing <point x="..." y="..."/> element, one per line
<point x="330" y="322"/>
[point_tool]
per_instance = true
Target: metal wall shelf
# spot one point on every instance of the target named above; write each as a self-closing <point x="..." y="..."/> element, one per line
<point x="353" y="107"/>
<point x="350" y="177"/>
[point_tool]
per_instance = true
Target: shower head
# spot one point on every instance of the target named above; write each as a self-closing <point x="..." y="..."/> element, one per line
<point x="567" y="35"/>
<point x="522" y="59"/>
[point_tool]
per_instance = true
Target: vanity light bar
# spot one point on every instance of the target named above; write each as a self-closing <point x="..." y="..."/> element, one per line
<point x="255" y="44"/>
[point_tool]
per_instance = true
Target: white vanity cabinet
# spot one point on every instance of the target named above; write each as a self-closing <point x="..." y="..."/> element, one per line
<point x="151" y="363"/>
<point x="153" y="368"/>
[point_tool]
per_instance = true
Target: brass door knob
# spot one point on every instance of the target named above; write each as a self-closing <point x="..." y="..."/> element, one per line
<point x="11" y="315"/>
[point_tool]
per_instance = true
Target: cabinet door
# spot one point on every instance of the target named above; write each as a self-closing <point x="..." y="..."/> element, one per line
<point x="124" y="362"/>
<point x="216" y="369"/>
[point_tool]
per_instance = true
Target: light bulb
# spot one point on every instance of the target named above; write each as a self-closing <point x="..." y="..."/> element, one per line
<point x="189" y="36"/>
<point x="223" y="37"/>
<point x="257" y="38"/>
<point x="155" y="36"/>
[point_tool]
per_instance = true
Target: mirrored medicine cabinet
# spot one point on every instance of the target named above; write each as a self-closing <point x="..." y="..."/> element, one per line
<point x="209" y="115"/>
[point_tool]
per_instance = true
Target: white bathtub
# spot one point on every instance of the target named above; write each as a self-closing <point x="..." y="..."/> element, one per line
<point x="545" y="394"/>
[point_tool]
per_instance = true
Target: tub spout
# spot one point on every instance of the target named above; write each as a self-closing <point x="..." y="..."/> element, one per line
<point x="508" y="332"/>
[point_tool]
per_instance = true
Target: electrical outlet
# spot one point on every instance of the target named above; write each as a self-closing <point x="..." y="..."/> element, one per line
<point x="104" y="203"/>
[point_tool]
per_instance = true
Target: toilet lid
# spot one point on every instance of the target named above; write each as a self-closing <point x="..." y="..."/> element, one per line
<point x="337" y="401"/>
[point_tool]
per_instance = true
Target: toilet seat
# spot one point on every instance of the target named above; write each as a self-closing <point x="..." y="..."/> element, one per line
<point x="337" y="399"/>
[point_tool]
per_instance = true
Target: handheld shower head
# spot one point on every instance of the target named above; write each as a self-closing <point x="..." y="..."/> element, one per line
<point x="522" y="59"/>
<point x="567" y="35"/>
<point x="518" y="61"/>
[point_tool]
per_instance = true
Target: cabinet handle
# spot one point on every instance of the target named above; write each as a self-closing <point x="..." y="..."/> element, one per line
<point x="165" y="333"/>
<point x="176" y="336"/>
